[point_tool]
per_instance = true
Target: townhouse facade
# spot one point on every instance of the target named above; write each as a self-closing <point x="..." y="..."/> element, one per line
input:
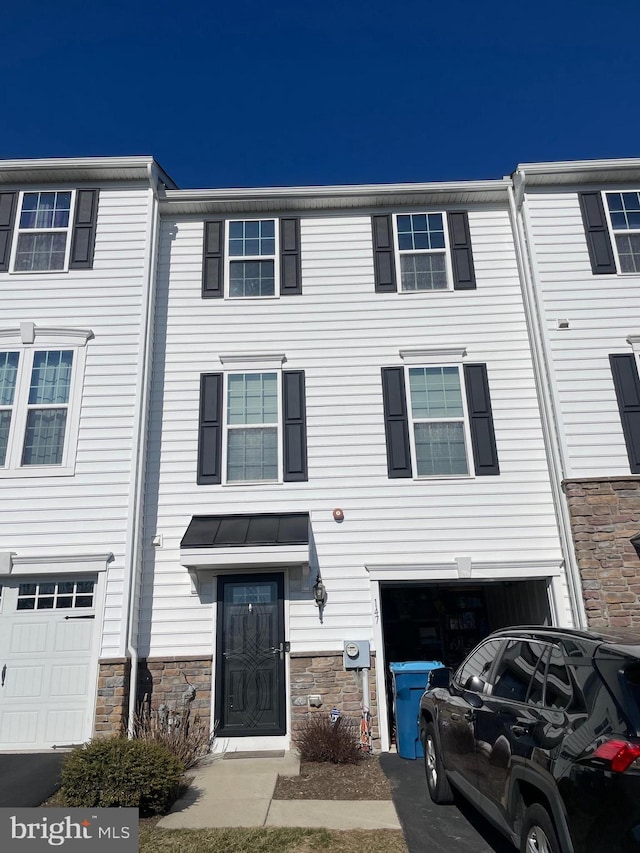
<point x="77" y="256"/>
<point x="260" y="443"/>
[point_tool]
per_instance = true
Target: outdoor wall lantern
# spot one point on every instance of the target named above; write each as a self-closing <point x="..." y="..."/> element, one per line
<point x="319" y="592"/>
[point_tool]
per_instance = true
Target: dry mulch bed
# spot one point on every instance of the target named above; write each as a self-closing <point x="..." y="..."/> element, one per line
<point x="324" y="781"/>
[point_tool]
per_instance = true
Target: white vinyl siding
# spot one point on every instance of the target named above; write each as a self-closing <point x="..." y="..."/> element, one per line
<point x="341" y="333"/>
<point x="88" y="513"/>
<point x="600" y="312"/>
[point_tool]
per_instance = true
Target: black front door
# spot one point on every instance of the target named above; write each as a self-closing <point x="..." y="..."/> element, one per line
<point x="250" y="673"/>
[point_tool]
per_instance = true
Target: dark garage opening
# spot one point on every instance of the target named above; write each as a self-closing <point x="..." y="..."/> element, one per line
<point x="444" y="621"/>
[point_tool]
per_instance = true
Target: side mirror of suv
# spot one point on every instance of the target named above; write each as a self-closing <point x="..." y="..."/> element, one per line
<point x="440" y="677"/>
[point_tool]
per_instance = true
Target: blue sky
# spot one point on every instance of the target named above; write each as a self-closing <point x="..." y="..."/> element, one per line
<point x="248" y="93"/>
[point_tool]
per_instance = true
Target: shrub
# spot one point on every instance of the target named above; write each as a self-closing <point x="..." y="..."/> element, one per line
<point x="116" y="771"/>
<point x="319" y="739"/>
<point x="189" y="740"/>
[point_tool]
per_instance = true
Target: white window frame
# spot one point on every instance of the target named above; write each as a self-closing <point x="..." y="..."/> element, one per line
<point x="68" y="231"/>
<point x="27" y="340"/>
<point x="228" y="258"/>
<point x="438" y="357"/>
<point x="398" y="252"/>
<point x="238" y="366"/>
<point x="615" y="231"/>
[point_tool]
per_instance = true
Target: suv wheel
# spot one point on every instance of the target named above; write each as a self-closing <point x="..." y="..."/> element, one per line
<point x="538" y="832"/>
<point x="437" y="783"/>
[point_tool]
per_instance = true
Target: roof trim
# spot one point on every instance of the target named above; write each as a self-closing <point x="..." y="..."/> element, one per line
<point x="347" y="196"/>
<point x="50" y="169"/>
<point x="578" y="172"/>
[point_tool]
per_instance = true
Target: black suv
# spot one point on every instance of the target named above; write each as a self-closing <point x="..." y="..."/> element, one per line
<point x="540" y="729"/>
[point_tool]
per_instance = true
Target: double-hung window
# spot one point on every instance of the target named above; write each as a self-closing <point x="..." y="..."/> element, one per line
<point x="624" y="215"/>
<point x="39" y="406"/>
<point x="252" y="423"/>
<point x="43" y="231"/>
<point x="47" y="230"/>
<point x="422" y="251"/>
<point x="252" y="429"/>
<point x="252" y="257"/>
<point x="439" y="431"/>
<point x="438" y="417"/>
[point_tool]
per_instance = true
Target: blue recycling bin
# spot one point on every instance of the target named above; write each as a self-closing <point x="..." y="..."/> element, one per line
<point x="409" y="682"/>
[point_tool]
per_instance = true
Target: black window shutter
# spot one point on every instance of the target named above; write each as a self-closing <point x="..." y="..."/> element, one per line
<point x="84" y="230"/>
<point x="396" y="422"/>
<point x="210" y="429"/>
<point x="597" y="234"/>
<point x="290" y="267"/>
<point x="464" y="277"/>
<point x="212" y="273"/>
<point x="295" y="426"/>
<point x="7" y="218"/>
<point x="627" y="385"/>
<point x="383" y="260"/>
<point x="483" y="440"/>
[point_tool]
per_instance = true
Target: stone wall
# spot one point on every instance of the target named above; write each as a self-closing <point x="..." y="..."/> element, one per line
<point x="323" y="674"/>
<point x="169" y="682"/>
<point x="605" y="514"/>
<point x="113" y="697"/>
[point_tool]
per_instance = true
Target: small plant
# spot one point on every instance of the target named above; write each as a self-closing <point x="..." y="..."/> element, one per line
<point x="321" y="739"/>
<point x="115" y="771"/>
<point x="188" y="739"/>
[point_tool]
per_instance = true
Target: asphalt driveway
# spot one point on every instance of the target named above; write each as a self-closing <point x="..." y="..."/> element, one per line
<point x="439" y="829"/>
<point x="28" y="778"/>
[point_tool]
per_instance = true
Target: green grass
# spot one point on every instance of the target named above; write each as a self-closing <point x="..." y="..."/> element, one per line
<point x="272" y="840"/>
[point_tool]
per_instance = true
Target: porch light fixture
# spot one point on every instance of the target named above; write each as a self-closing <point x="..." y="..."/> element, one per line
<point x="319" y="592"/>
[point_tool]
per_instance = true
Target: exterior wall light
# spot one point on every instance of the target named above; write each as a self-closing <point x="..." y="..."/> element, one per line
<point x="319" y="592"/>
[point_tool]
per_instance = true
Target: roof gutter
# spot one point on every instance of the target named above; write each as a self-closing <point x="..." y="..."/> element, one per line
<point x="555" y="455"/>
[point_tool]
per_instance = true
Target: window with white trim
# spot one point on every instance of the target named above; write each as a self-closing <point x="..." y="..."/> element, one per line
<point x="56" y="595"/>
<point x="624" y="216"/>
<point x="439" y="432"/>
<point x="40" y="389"/>
<point x="252" y="260"/>
<point x="252" y="427"/>
<point x="44" y="223"/>
<point x="422" y="244"/>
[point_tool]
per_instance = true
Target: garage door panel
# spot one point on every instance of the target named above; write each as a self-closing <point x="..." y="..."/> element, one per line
<point x="69" y="680"/>
<point x="47" y="644"/>
<point x="19" y="727"/>
<point x="62" y="726"/>
<point x="24" y="681"/>
<point x="29" y="638"/>
<point x="72" y="636"/>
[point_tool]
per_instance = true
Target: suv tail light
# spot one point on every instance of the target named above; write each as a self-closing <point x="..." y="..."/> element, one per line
<point x="620" y="753"/>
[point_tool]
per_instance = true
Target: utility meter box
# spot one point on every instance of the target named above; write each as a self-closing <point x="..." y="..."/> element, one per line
<point x="356" y="654"/>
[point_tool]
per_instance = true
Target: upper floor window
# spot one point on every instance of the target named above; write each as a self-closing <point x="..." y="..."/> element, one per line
<point x="43" y="231"/>
<point x="422" y="248"/>
<point x="624" y="215"/>
<point x="439" y="437"/>
<point x="47" y="230"/>
<point x="252" y="427"/>
<point x="438" y="417"/>
<point x="252" y="258"/>
<point x="39" y="405"/>
<point x="422" y="251"/>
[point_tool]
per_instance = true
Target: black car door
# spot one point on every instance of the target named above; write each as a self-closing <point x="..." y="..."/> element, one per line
<point x="457" y="715"/>
<point x="506" y="722"/>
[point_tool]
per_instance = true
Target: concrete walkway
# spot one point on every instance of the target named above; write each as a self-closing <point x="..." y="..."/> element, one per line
<point x="229" y="791"/>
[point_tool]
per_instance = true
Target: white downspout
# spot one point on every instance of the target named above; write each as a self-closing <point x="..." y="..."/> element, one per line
<point x="555" y="457"/>
<point x="136" y="504"/>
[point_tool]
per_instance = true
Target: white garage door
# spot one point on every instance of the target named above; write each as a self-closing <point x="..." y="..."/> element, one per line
<point x="48" y="662"/>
